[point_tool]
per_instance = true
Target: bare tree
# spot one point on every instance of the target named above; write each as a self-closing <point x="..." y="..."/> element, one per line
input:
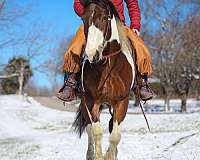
<point x="165" y="40"/>
<point x="53" y="67"/>
<point x="188" y="59"/>
<point x="34" y="46"/>
<point x="165" y="68"/>
<point x="10" y="13"/>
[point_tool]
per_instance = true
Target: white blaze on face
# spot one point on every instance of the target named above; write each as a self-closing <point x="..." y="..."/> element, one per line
<point x="94" y="40"/>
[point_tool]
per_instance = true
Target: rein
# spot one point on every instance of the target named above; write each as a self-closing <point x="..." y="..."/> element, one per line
<point x="141" y="106"/>
<point x="137" y="94"/>
<point x="116" y="53"/>
<point x="113" y="54"/>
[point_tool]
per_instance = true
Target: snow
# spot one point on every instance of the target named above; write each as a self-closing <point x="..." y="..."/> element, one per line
<point x="30" y="131"/>
<point x="156" y="105"/>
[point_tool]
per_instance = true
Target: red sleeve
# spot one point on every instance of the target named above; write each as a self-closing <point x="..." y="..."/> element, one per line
<point x="134" y="13"/>
<point x="119" y="5"/>
<point x="78" y="8"/>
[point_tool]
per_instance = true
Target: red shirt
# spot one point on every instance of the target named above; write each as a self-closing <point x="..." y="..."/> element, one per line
<point x="132" y="5"/>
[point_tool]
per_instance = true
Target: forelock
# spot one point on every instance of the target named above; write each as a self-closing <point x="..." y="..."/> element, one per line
<point x="106" y="4"/>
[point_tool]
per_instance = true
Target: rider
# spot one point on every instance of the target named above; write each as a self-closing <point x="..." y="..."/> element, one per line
<point x="143" y="58"/>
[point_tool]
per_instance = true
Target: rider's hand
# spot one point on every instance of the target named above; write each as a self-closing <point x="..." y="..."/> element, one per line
<point x="136" y="31"/>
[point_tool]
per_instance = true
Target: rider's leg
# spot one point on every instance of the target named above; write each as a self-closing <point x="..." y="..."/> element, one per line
<point x="143" y="62"/>
<point x="71" y="64"/>
<point x="73" y="53"/>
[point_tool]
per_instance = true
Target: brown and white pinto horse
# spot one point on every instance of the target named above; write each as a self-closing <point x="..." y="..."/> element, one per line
<point x="108" y="75"/>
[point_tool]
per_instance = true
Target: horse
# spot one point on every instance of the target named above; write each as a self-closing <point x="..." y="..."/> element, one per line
<point x="107" y="76"/>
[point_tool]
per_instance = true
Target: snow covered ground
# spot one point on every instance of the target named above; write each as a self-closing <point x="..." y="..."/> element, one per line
<point x="156" y="105"/>
<point x="30" y="131"/>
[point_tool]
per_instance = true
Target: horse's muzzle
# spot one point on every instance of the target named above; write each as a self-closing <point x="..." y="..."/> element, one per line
<point x="96" y="57"/>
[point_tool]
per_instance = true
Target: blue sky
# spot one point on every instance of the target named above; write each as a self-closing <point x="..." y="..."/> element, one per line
<point x="56" y="17"/>
<point x="59" y="14"/>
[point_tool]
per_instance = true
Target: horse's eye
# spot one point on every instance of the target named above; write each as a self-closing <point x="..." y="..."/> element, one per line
<point x="105" y="18"/>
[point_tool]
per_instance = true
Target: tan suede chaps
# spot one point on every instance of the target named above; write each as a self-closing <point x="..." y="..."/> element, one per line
<point x="143" y="57"/>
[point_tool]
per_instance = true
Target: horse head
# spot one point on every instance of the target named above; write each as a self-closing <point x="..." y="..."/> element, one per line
<point x="100" y="27"/>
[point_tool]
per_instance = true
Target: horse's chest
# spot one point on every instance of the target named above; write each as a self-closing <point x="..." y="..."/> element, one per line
<point x="114" y="86"/>
<point x="109" y="81"/>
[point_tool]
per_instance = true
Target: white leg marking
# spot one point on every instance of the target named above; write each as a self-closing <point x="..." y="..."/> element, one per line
<point x="94" y="40"/>
<point x="90" y="151"/>
<point x="115" y="138"/>
<point x="97" y="132"/>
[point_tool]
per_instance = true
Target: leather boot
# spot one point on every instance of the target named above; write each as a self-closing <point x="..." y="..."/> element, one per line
<point x="67" y="93"/>
<point x="145" y="92"/>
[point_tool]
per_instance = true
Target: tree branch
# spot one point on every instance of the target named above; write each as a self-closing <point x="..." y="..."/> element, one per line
<point x="9" y="76"/>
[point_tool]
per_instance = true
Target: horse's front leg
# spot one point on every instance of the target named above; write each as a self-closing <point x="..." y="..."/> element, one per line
<point x="119" y="114"/>
<point x="90" y="151"/>
<point x="114" y="140"/>
<point x="97" y="132"/>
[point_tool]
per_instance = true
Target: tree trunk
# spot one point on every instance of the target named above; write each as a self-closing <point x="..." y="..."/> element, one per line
<point x="183" y="103"/>
<point x="167" y="107"/>
<point x="198" y="94"/>
<point x="21" y="79"/>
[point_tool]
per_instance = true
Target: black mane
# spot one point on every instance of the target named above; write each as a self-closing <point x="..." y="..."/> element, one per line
<point x="103" y="3"/>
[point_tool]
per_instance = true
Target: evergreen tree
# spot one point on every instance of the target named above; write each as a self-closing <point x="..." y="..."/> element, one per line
<point x="21" y="67"/>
